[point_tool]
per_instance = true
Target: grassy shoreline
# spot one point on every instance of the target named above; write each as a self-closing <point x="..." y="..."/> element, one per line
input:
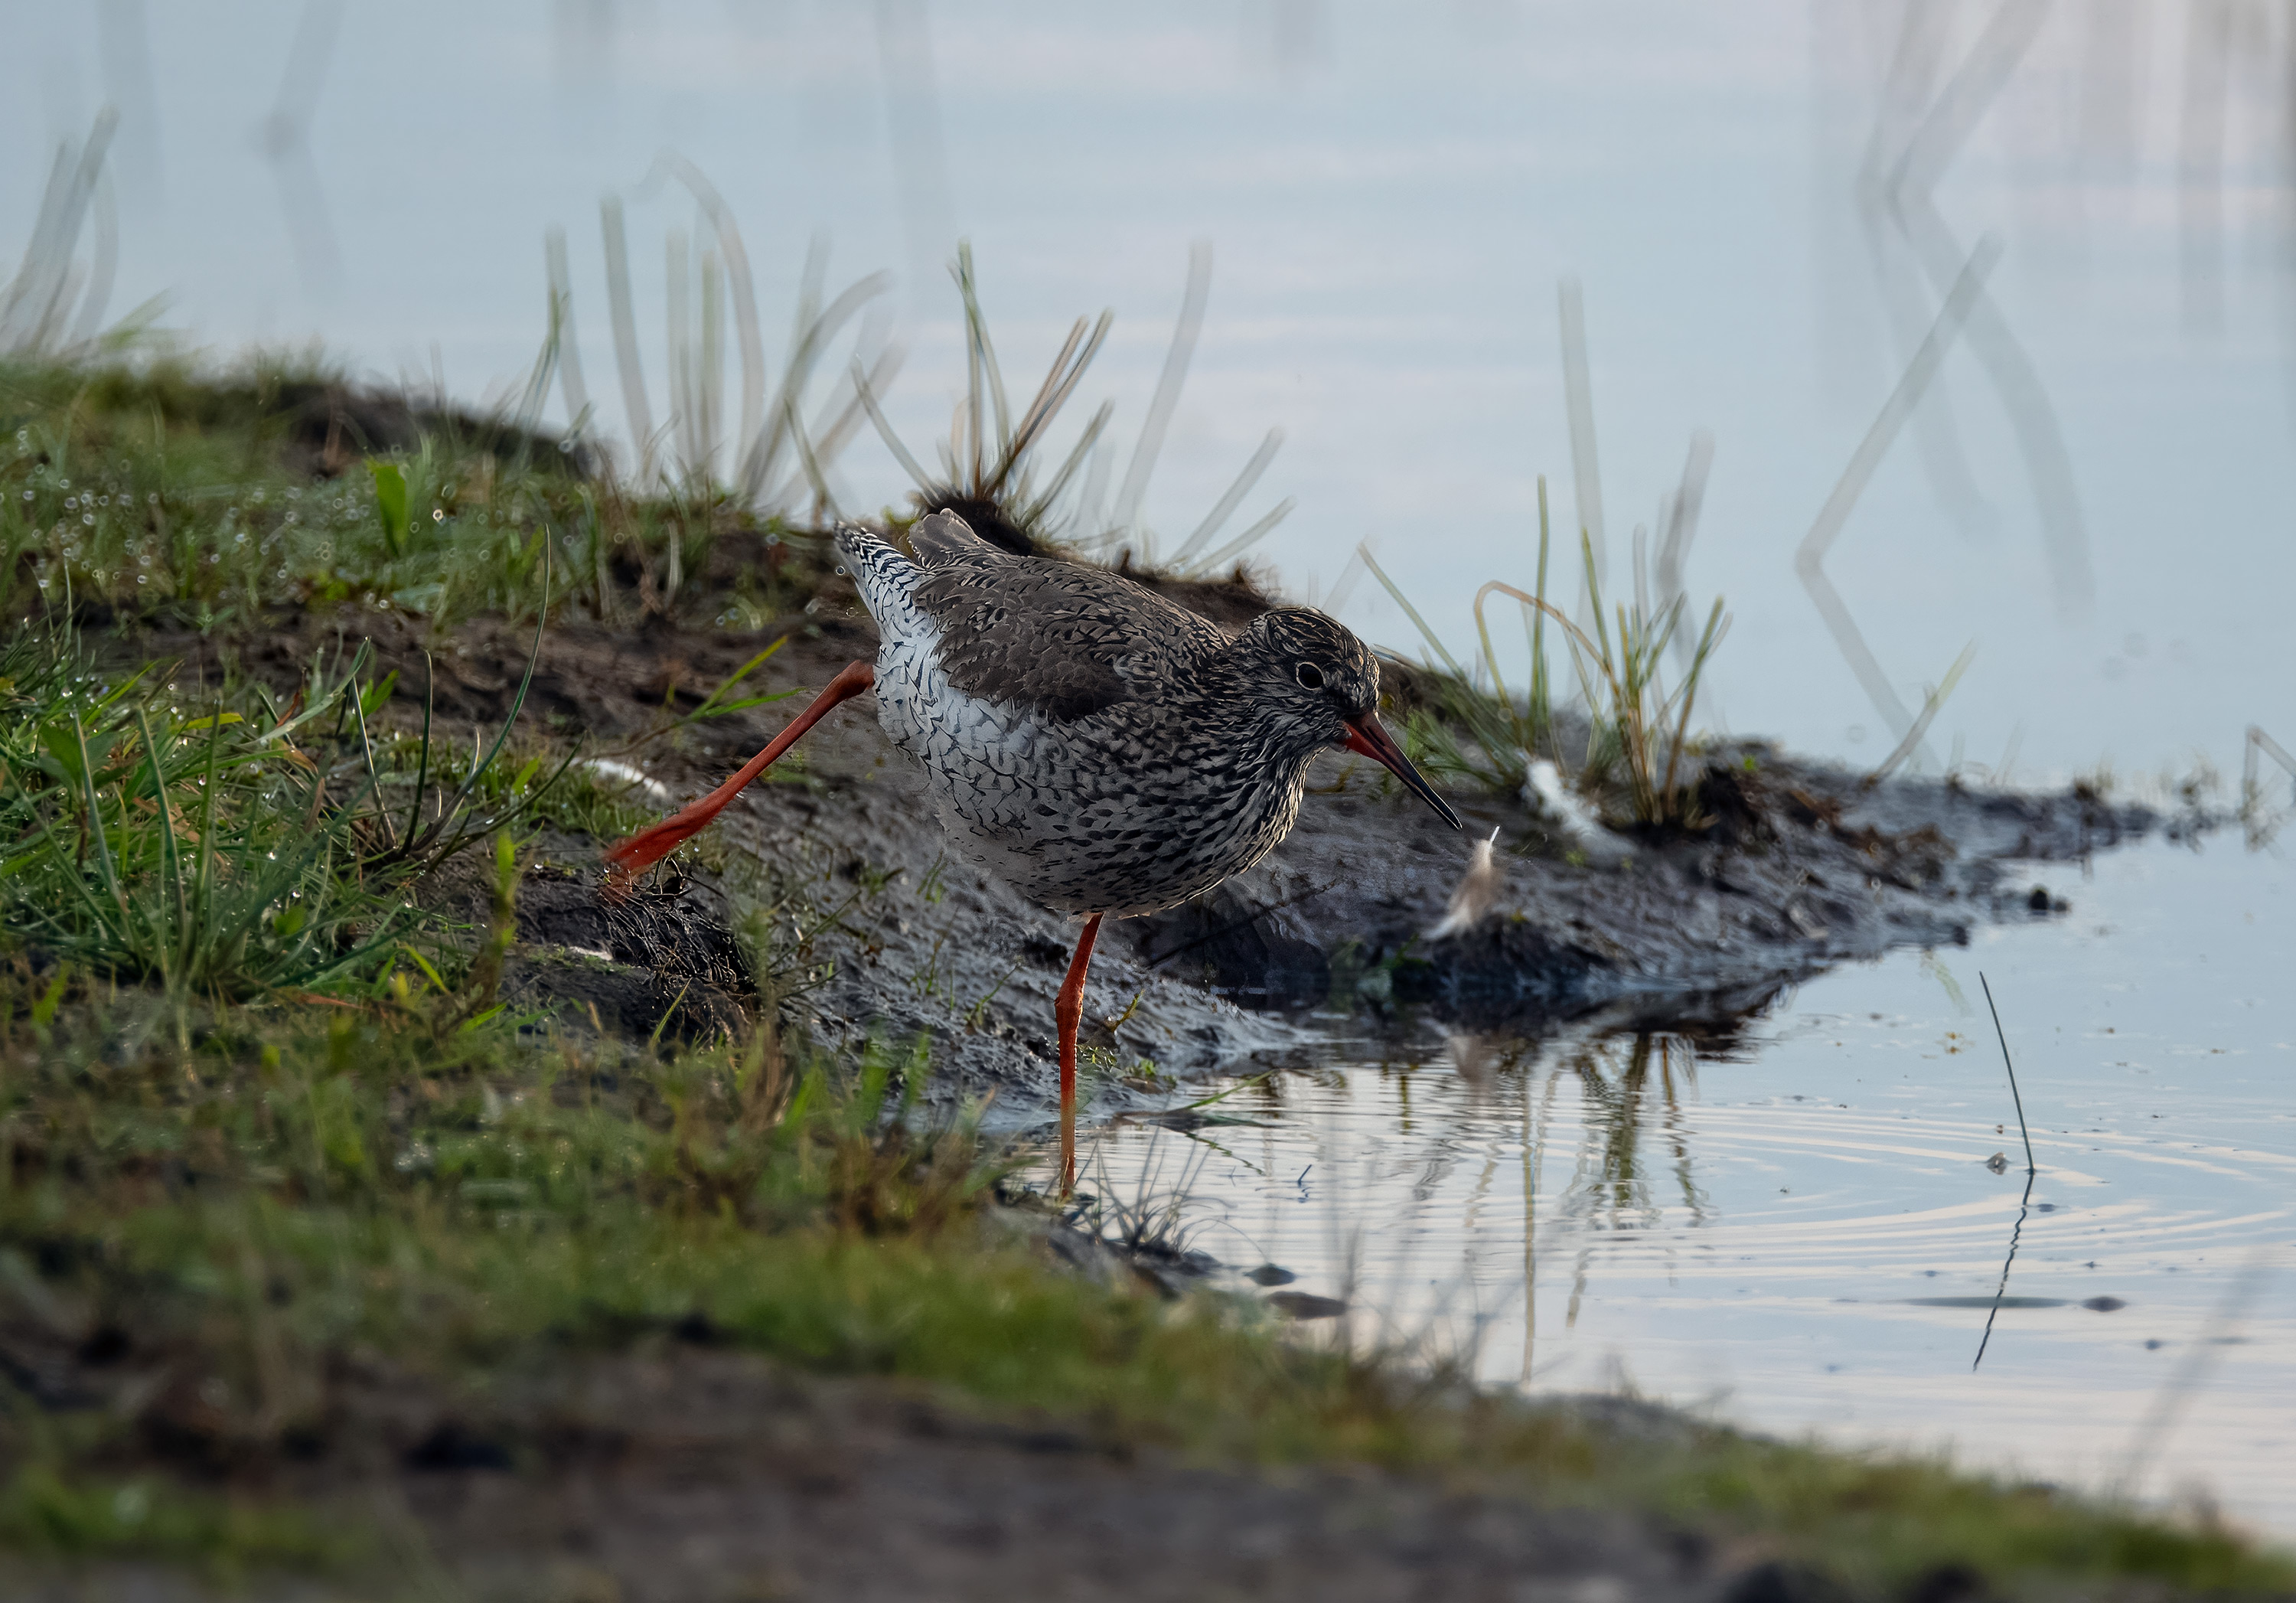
<point x="270" y="1122"/>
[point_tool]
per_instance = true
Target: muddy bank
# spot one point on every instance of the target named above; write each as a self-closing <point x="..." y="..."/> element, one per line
<point x="861" y="925"/>
<point x="1803" y="866"/>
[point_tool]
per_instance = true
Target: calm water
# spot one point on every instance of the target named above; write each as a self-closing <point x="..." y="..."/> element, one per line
<point x="1798" y="1228"/>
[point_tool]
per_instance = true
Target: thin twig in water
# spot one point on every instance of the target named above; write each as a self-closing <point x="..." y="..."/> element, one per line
<point x="2005" y="1063"/>
<point x="1240" y="1085"/>
<point x="2032" y="1172"/>
<point x="2025" y="1206"/>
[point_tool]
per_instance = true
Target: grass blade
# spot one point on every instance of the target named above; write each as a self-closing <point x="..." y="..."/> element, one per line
<point x="1433" y="640"/>
<point x="1227" y="504"/>
<point x="1931" y="704"/>
<point x="1579" y="404"/>
<point x="176" y="954"/>
<point x="1134" y="490"/>
<point x="622" y="309"/>
<point x="984" y="351"/>
<point x="1076" y="455"/>
<point x="1250" y="537"/>
<point x="865" y="391"/>
<point x="569" y="351"/>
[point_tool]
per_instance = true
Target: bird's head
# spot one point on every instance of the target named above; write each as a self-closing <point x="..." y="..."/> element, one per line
<point x="1324" y="685"/>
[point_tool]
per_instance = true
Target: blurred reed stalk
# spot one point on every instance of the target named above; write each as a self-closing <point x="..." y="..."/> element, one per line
<point x="52" y="309"/>
<point x="774" y="461"/>
<point x="991" y="456"/>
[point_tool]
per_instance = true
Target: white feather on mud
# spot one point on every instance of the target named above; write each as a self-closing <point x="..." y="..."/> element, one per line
<point x="1477" y="890"/>
<point x="613" y="773"/>
<point x="1546" y="791"/>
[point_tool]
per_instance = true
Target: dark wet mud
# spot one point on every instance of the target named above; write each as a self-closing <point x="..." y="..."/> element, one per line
<point x="860" y="924"/>
<point x="1803" y="866"/>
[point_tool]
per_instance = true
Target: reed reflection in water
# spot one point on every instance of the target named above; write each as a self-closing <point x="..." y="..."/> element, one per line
<point x="1801" y="1217"/>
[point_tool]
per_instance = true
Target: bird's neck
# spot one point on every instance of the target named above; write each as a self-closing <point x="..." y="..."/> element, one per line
<point x="1238" y="719"/>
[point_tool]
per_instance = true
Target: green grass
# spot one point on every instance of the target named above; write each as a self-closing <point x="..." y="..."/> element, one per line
<point x="240" y="847"/>
<point x="1636" y="732"/>
<point x="158" y="492"/>
<point x="200" y="849"/>
<point x="47" y="1514"/>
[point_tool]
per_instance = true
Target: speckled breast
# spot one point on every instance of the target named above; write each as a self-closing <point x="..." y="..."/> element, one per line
<point x="1093" y="815"/>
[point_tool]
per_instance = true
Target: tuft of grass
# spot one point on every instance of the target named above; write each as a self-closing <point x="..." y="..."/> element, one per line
<point x="773" y="462"/>
<point x="240" y="848"/>
<point x="203" y="853"/>
<point x="988" y="464"/>
<point x="54" y="307"/>
<point x="213" y="497"/>
<point x="1638" y="728"/>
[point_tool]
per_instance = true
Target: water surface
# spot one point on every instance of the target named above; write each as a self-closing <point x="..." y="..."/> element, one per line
<point x="1797" y="1225"/>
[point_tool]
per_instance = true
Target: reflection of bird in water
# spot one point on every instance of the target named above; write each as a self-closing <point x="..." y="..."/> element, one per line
<point x="1476" y="1057"/>
<point x="1103" y="750"/>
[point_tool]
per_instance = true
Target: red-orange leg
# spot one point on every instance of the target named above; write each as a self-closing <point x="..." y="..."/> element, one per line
<point x="648" y="846"/>
<point x="1067" y="1009"/>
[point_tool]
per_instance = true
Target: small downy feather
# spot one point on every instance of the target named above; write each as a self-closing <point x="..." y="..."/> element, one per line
<point x="1478" y="889"/>
<point x="1545" y="791"/>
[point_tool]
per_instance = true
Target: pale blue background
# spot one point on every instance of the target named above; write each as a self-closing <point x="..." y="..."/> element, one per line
<point x="1393" y="194"/>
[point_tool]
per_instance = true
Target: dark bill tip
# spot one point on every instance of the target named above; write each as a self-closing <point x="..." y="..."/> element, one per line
<point x="1367" y="738"/>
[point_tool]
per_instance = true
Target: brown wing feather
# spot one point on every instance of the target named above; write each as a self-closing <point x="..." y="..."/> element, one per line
<point x="1060" y="639"/>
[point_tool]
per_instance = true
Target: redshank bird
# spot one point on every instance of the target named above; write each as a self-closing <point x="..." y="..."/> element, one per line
<point x="1102" y="748"/>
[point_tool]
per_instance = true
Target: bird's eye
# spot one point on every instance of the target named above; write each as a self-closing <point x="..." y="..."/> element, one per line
<point x="1310" y="675"/>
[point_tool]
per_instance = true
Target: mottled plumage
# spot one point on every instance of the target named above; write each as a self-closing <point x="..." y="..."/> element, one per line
<point x="1102" y="748"/>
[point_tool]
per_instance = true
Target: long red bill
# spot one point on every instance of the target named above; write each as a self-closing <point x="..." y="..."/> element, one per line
<point x="1367" y="738"/>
